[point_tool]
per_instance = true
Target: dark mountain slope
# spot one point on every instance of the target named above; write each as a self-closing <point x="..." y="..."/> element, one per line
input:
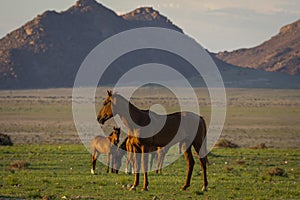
<point x="47" y="51"/>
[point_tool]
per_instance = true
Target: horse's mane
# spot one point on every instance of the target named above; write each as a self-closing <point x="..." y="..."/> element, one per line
<point x="111" y="133"/>
<point x="133" y="106"/>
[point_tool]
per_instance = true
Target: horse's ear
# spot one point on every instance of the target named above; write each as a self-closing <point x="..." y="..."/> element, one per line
<point x="109" y="93"/>
<point x="114" y="100"/>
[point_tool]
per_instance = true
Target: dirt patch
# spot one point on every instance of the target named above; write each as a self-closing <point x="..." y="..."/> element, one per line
<point x="254" y="117"/>
<point x="45" y="138"/>
<point x="224" y="143"/>
<point x="259" y="146"/>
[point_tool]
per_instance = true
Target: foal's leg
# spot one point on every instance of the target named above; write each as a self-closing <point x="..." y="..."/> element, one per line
<point x="190" y="163"/>
<point x="136" y="160"/>
<point x="108" y="162"/>
<point x="94" y="159"/>
<point x="128" y="167"/>
<point x="145" y="168"/>
<point x="112" y="169"/>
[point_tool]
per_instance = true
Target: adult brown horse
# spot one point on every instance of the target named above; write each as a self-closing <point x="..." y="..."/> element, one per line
<point x="105" y="145"/>
<point x="181" y="127"/>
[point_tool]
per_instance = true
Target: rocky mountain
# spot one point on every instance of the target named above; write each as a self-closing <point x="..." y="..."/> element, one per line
<point x="147" y="16"/>
<point x="279" y="54"/>
<point x="48" y="50"/>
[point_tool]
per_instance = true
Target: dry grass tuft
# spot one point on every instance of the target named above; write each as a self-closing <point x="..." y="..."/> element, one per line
<point x="276" y="171"/>
<point x="240" y="162"/>
<point x="228" y="168"/>
<point x="18" y="165"/>
<point x="224" y="143"/>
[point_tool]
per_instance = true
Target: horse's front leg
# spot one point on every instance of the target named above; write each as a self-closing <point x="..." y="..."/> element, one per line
<point x="136" y="181"/>
<point x="145" y="168"/>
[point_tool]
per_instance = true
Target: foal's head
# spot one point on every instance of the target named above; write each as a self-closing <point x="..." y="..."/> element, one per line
<point x="114" y="136"/>
<point x="106" y="112"/>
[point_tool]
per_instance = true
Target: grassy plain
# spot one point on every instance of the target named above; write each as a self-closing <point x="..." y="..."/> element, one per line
<point x="63" y="171"/>
<point x="41" y="125"/>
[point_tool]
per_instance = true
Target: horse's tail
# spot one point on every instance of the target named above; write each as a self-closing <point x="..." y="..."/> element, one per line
<point x="204" y="139"/>
<point x="180" y="147"/>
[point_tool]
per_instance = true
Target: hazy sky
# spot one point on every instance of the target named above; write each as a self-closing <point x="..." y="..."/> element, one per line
<point x="216" y="24"/>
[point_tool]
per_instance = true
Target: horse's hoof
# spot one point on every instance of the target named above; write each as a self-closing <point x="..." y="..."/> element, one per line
<point x="184" y="187"/>
<point x="133" y="188"/>
<point x="144" y="189"/>
<point x="92" y="171"/>
<point x="204" y="189"/>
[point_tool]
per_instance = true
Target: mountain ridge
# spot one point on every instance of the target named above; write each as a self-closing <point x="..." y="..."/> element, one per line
<point x="281" y="53"/>
<point x="46" y="52"/>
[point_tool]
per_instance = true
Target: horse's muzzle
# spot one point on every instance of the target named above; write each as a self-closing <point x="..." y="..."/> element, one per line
<point x="101" y="120"/>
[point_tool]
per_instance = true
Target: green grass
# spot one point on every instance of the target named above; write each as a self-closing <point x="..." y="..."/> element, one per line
<point x="58" y="171"/>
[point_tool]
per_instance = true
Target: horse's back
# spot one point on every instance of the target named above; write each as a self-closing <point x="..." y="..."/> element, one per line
<point x="192" y="126"/>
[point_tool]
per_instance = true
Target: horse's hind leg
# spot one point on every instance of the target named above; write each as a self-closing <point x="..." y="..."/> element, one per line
<point x="203" y="167"/>
<point x="153" y="156"/>
<point x="190" y="163"/>
<point x="203" y="162"/>
<point x="160" y="159"/>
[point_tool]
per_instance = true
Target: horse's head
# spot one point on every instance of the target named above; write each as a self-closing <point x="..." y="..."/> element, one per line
<point x="114" y="136"/>
<point x="106" y="112"/>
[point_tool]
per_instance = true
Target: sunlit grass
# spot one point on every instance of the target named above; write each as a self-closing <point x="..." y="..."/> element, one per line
<point x="56" y="171"/>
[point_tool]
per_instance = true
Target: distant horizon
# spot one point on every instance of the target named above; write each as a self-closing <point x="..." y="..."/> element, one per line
<point x="219" y="25"/>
